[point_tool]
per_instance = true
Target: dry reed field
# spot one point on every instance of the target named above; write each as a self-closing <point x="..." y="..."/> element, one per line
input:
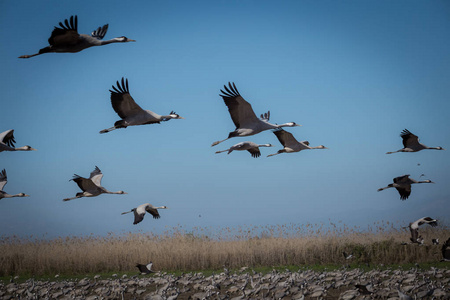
<point x="205" y="249"/>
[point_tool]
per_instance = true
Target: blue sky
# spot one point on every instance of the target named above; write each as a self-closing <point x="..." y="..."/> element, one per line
<point x="353" y="73"/>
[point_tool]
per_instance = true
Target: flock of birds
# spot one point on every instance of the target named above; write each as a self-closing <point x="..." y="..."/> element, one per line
<point x="66" y="38"/>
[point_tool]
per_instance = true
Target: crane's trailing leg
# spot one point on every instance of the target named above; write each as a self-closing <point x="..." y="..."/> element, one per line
<point x="107" y="130"/>
<point x="68" y="199"/>
<point x="218" y="142"/>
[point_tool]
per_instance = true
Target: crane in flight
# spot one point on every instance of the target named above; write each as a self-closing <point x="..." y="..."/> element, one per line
<point x="3" y="181"/>
<point x="132" y="114"/>
<point x="139" y="212"/>
<point x="66" y="39"/>
<point x="91" y="186"/>
<point x="251" y="147"/>
<point x="7" y="142"/>
<point x="290" y="144"/>
<point x="411" y="143"/>
<point x="403" y="185"/>
<point x="243" y="116"/>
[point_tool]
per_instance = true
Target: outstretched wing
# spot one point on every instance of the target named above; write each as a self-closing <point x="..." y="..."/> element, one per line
<point x="138" y="217"/>
<point x="67" y="34"/>
<point x="241" y="111"/>
<point x="84" y="183"/>
<point x="430" y="221"/>
<point x="401" y="179"/>
<point x="153" y="212"/>
<point x="122" y="102"/>
<point x="286" y="138"/>
<point x="254" y="152"/>
<point x="3" y="179"/>
<point x="404" y="191"/>
<point x="7" y="137"/>
<point x="100" y="32"/>
<point x="409" y="139"/>
<point x="96" y="176"/>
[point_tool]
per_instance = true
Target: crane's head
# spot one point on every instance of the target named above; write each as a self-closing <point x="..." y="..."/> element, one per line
<point x="292" y="124"/>
<point x="123" y="39"/>
<point x="174" y="115"/>
<point x="23" y="195"/>
<point x="439" y="148"/>
<point x="121" y="192"/>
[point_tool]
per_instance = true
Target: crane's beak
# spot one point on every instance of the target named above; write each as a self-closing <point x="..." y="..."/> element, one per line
<point x="130" y="40"/>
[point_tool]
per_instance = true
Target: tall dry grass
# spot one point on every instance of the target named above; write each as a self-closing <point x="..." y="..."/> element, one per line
<point x="203" y="248"/>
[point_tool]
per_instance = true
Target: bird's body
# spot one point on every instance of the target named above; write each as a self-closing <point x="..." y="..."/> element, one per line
<point x="290" y="144"/>
<point x="91" y="186"/>
<point x="411" y="143"/>
<point x="251" y="147"/>
<point x="7" y="142"/>
<point x="243" y="116"/>
<point x="3" y="181"/>
<point x="66" y="39"/>
<point x="403" y="185"/>
<point x="145" y="269"/>
<point x="130" y="112"/>
<point x="139" y="212"/>
<point x="414" y="228"/>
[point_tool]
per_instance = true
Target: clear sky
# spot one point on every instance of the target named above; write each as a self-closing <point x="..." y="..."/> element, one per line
<point x="353" y="73"/>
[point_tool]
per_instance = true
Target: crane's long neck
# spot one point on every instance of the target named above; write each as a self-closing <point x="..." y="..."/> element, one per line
<point x="265" y="145"/>
<point x="289" y="124"/>
<point x="106" y="42"/>
<point x="16" y="195"/>
<point x="118" y="192"/>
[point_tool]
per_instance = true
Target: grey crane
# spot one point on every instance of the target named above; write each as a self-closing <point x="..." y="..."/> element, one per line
<point x="403" y="185"/>
<point x="411" y="143"/>
<point x="139" y="212"/>
<point x="290" y="144"/>
<point x="66" y="39"/>
<point x="414" y="228"/>
<point x="251" y="147"/>
<point x="3" y="181"/>
<point x="145" y="269"/>
<point x="131" y="113"/>
<point x="7" y="142"/>
<point x="243" y="116"/>
<point x="91" y="186"/>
